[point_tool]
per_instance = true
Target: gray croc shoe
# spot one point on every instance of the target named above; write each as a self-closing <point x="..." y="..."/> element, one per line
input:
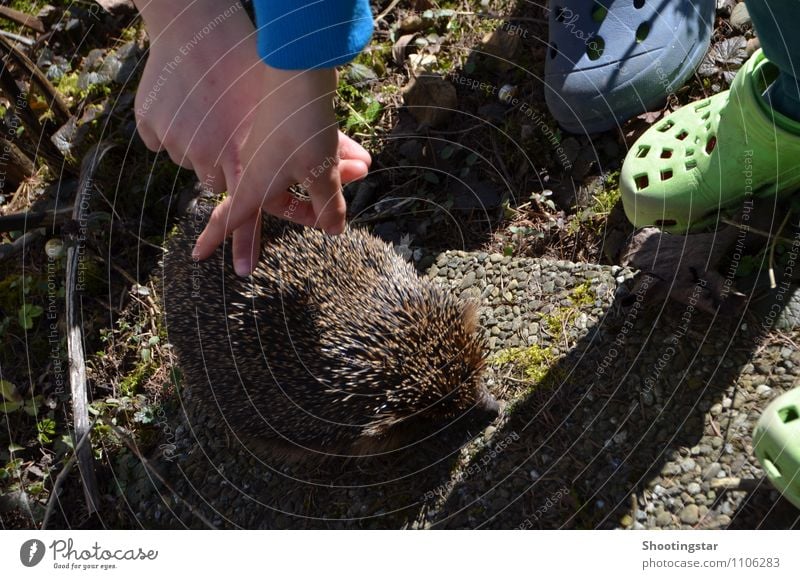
<point x="610" y="60"/>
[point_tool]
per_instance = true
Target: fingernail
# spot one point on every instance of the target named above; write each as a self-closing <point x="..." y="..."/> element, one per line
<point x="242" y="267"/>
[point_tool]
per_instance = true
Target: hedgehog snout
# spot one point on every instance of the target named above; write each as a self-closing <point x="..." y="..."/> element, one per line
<point x="487" y="408"/>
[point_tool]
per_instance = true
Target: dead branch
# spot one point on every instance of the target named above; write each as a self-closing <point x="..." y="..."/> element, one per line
<point x="22" y="19"/>
<point x="38" y="78"/>
<point x="685" y="267"/>
<point x="77" y="363"/>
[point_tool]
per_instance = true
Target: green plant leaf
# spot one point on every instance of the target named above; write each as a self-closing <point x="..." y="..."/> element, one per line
<point x="372" y="112"/>
<point x="27" y="313"/>
<point x="32" y="405"/>
<point x="431" y="177"/>
<point x="447" y="152"/>
<point x="8" y="407"/>
<point x="9" y="392"/>
<point x="46" y="429"/>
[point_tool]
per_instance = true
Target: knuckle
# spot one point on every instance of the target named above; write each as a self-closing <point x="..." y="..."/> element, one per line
<point x="219" y="219"/>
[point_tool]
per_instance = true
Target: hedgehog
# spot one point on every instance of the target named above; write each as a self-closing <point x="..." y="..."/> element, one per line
<point x="333" y="345"/>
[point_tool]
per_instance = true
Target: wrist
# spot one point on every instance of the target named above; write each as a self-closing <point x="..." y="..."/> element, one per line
<point x="311" y="82"/>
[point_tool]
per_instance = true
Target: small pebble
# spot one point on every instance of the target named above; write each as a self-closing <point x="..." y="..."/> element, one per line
<point x="663" y="519"/>
<point x="763" y="391"/>
<point x="740" y="17"/>
<point x="711" y="471"/>
<point x="468" y="281"/>
<point x="690" y="515"/>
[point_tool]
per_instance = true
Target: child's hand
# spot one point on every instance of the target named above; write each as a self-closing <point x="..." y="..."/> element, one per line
<point x="294" y="140"/>
<point x="200" y="84"/>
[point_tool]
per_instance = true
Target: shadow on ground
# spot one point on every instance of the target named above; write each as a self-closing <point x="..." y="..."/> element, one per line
<point x="639" y="421"/>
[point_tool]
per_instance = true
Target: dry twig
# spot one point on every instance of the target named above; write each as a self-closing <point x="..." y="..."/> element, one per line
<point x="77" y="362"/>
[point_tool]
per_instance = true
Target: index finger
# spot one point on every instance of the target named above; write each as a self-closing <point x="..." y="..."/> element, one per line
<point x="226" y="217"/>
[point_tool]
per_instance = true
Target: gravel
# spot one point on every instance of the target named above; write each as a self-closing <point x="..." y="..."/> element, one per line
<point x="637" y="418"/>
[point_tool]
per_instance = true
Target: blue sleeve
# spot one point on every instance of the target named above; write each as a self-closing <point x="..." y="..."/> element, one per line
<point x="302" y="34"/>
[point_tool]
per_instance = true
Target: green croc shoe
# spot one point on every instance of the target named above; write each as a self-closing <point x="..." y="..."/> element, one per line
<point x="712" y="155"/>
<point x="776" y="442"/>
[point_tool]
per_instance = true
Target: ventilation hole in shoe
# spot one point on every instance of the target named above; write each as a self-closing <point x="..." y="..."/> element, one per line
<point x="682" y="135"/>
<point x="599" y="12"/>
<point x="705" y="115"/>
<point x="643" y="31"/>
<point x="559" y="14"/>
<point x="666" y="153"/>
<point x="666" y="174"/>
<point x="638" y="3"/>
<point x="691" y="164"/>
<point x="641" y="182"/>
<point x="702" y="105"/>
<point x="789" y="414"/>
<point x="689" y="151"/>
<point x="711" y="144"/>
<point x="642" y="152"/>
<point x="668" y="124"/>
<point x="665" y="222"/>
<point x="595" y="48"/>
<point x="554" y="50"/>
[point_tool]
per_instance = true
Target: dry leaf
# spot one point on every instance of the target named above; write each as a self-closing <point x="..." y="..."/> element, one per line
<point x="431" y="99"/>
<point x="401" y="48"/>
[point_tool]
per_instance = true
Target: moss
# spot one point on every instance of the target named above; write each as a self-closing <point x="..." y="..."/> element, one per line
<point x="536" y="363"/>
<point x="67" y="85"/>
<point x="605" y="200"/>
<point x="130" y="33"/>
<point x="133" y="382"/>
<point x="533" y="362"/>
<point x="556" y="322"/>
<point x="582" y="295"/>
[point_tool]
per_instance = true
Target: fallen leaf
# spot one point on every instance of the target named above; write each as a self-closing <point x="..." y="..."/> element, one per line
<point x="431" y="99"/>
<point x="9" y="392"/>
<point x="503" y="47"/>
<point x="413" y="23"/>
<point x="419" y="62"/>
<point x="358" y="74"/>
<point x="401" y="48"/>
<point x="724" y="58"/>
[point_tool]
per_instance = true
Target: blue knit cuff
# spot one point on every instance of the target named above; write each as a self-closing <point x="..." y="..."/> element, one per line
<point x="303" y="34"/>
